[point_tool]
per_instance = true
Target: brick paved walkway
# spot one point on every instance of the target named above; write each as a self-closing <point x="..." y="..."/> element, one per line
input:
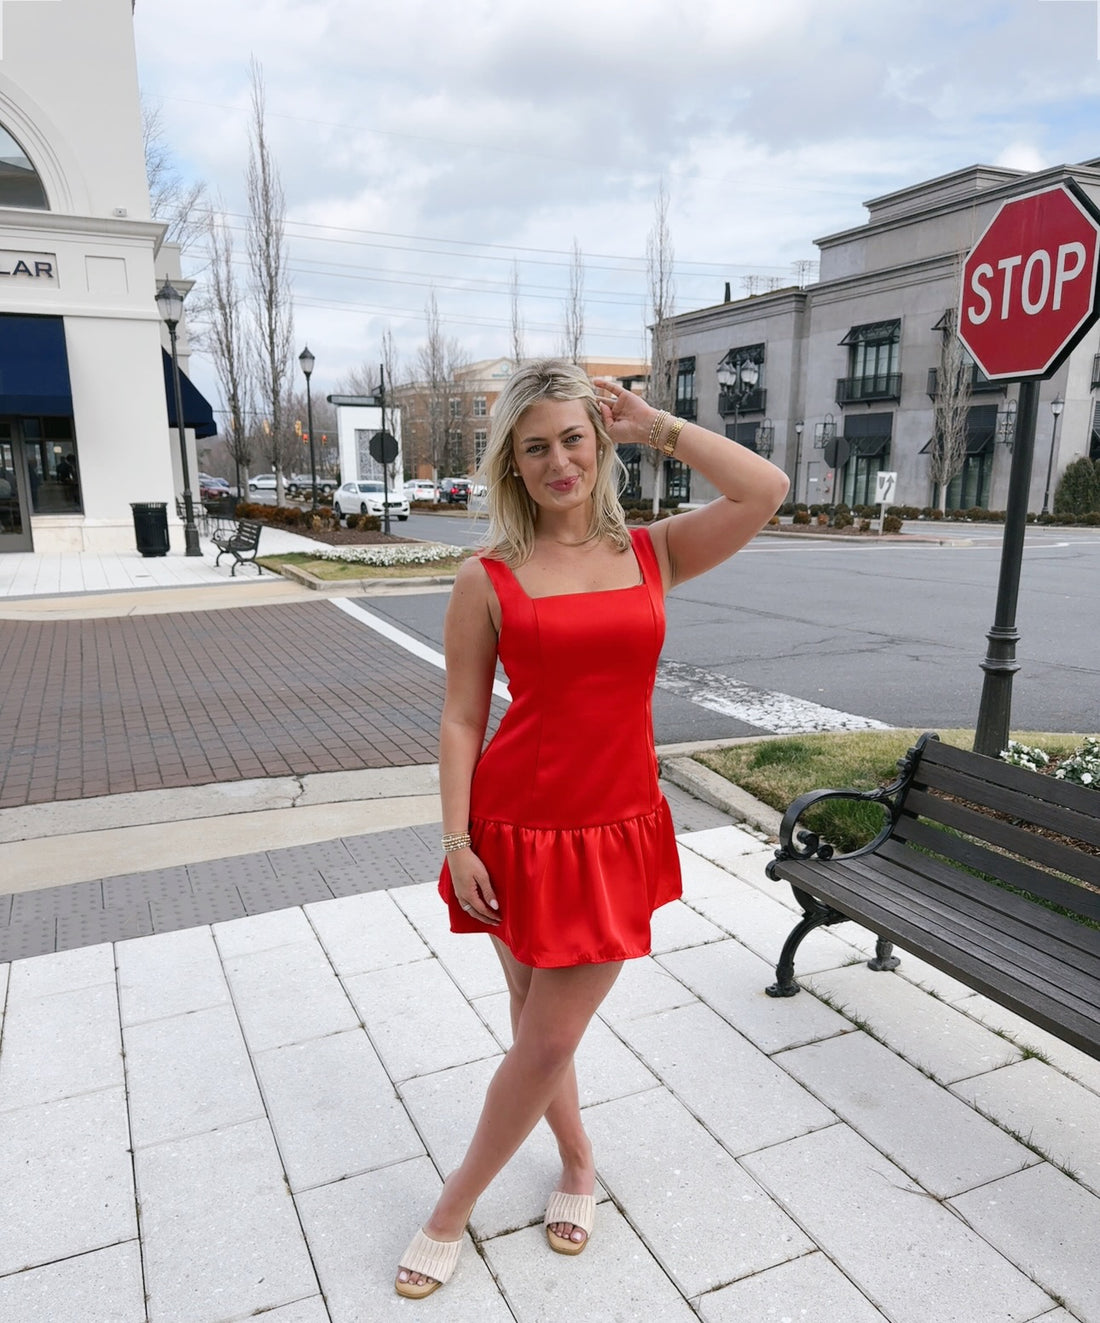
<point x="97" y="707"/>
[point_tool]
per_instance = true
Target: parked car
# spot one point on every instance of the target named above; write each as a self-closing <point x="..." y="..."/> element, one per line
<point x="301" y="484"/>
<point x="368" y="498"/>
<point x="455" y="491"/>
<point x="421" y="489"/>
<point x="262" y="482"/>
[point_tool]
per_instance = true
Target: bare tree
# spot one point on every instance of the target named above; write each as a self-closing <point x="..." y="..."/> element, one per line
<point x="661" y="391"/>
<point x="573" y="337"/>
<point x="172" y="199"/>
<point x="517" y="324"/>
<point x="223" y="333"/>
<point x="950" y="409"/>
<point x="272" y="311"/>
<point x="439" y="404"/>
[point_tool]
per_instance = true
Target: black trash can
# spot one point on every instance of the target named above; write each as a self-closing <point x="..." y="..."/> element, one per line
<point x="151" y="527"/>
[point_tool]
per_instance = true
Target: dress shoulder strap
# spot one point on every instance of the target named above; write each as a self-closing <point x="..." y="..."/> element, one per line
<point x="647" y="557"/>
<point x="503" y="580"/>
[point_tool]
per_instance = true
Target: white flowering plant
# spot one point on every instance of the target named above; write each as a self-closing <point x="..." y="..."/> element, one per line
<point x="395" y="553"/>
<point x="1082" y="766"/>
<point x="1023" y="755"/>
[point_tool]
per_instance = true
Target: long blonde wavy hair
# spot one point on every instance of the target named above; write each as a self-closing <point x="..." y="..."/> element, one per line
<point x="511" y="533"/>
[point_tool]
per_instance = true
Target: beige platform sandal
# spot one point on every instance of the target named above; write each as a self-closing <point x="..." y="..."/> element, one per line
<point x="577" y="1209"/>
<point x="431" y="1258"/>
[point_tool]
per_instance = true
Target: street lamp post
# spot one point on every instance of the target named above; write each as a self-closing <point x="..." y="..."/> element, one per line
<point x="306" y="360"/>
<point x="798" y="430"/>
<point x="170" y="303"/>
<point x="1056" y="407"/>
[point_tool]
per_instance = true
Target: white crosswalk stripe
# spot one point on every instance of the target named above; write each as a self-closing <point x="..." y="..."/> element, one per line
<point x="782" y="714"/>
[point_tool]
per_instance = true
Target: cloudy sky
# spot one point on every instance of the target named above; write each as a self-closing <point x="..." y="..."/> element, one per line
<point x="429" y="145"/>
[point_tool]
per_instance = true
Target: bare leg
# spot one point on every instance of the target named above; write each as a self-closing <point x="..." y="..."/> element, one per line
<point x="563" y="1116"/>
<point x="556" y="1011"/>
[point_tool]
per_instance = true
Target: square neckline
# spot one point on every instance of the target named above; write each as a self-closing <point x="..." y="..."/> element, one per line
<point x="587" y="592"/>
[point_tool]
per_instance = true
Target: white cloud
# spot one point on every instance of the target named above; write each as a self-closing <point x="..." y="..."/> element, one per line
<point x="498" y="129"/>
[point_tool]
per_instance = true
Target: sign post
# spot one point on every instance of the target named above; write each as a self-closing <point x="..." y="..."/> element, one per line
<point x="1029" y="294"/>
<point x="885" y="485"/>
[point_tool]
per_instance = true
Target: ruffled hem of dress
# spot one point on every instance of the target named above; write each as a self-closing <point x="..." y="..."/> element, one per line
<point x="572" y="896"/>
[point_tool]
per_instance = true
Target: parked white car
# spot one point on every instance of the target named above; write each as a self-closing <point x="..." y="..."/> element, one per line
<point x="262" y="482"/>
<point x="421" y="489"/>
<point x="368" y="498"/>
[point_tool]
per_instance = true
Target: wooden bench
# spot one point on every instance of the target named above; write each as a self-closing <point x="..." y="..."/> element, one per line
<point x="985" y="870"/>
<point x="241" y="544"/>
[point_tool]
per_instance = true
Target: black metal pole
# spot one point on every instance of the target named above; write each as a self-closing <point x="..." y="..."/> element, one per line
<point x="385" y="466"/>
<point x="312" y="448"/>
<point x="190" y="532"/>
<point x="1000" y="665"/>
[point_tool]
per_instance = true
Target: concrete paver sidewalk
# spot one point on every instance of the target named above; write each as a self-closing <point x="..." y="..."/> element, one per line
<point x="207" y="1124"/>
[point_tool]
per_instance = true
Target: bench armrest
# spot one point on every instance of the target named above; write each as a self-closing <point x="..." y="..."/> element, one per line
<point x="795" y="844"/>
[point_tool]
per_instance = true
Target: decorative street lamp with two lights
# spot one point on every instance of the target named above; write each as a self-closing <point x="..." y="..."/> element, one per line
<point x="738" y="377"/>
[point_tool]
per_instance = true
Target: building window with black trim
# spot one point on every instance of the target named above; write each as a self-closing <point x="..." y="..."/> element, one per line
<point x="481" y="440"/>
<point x="970" y="486"/>
<point x="631" y="457"/>
<point x="685" y="403"/>
<point x="874" y="356"/>
<point x="20" y="185"/>
<point x="677" y="481"/>
<point x="868" y="437"/>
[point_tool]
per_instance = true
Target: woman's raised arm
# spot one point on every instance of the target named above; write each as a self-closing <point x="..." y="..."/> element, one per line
<point x="752" y="488"/>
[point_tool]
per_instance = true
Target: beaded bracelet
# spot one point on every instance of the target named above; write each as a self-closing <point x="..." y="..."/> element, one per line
<point x="657" y="428"/>
<point x="455" y="840"/>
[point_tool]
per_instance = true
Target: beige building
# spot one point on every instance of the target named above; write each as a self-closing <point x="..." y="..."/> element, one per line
<point x="84" y="418"/>
<point x="855" y="355"/>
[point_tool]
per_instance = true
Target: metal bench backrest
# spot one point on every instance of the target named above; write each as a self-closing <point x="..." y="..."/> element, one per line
<point x="247" y="534"/>
<point x="1038" y="844"/>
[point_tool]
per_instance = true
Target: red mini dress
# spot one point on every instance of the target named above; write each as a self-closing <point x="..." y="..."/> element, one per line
<point x="565" y="810"/>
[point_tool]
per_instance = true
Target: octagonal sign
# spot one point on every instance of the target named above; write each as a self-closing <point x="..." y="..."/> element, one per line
<point x="1029" y="286"/>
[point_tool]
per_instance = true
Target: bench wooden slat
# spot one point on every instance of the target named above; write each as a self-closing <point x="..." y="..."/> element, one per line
<point x="1070" y="814"/>
<point x="1025" y="933"/>
<point x="1016" y="872"/>
<point x="1037" y="849"/>
<point x="997" y="772"/>
<point x="1075" y="1023"/>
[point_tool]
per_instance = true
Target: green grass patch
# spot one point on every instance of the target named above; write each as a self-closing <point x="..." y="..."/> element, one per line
<point x="333" y="571"/>
<point x="778" y="770"/>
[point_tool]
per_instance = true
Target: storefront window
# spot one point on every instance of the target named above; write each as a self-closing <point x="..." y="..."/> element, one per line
<point x="20" y="185"/>
<point x="52" y="465"/>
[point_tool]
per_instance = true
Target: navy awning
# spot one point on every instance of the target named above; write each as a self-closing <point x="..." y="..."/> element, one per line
<point x="197" y="413"/>
<point x="34" y="366"/>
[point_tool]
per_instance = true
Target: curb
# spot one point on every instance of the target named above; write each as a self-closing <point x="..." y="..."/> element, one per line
<point x="721" y="794"/>
<point x="361" y="586"/>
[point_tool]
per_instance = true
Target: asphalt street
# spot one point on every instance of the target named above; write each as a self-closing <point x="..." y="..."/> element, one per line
<point x="892" y="633"/>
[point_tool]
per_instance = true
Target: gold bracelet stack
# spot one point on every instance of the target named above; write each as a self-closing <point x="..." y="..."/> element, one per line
<point x="665" y="432"/>
<point x="455" y="840"/>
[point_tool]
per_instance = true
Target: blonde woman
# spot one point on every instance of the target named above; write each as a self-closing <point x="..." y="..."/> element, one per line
<point x="558" y="841"/>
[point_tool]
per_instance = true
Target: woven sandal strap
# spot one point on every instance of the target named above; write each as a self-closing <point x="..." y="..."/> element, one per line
<point x="433" y="1258"/>
<point x="577" y="1209"/>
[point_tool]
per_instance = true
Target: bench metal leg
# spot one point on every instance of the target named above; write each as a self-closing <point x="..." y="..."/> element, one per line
<point x="814" y="915"/>
<point x="883" y="957"/>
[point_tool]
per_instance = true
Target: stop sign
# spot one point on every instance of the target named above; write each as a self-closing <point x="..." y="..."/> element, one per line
<point x="1029" y="285"/>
